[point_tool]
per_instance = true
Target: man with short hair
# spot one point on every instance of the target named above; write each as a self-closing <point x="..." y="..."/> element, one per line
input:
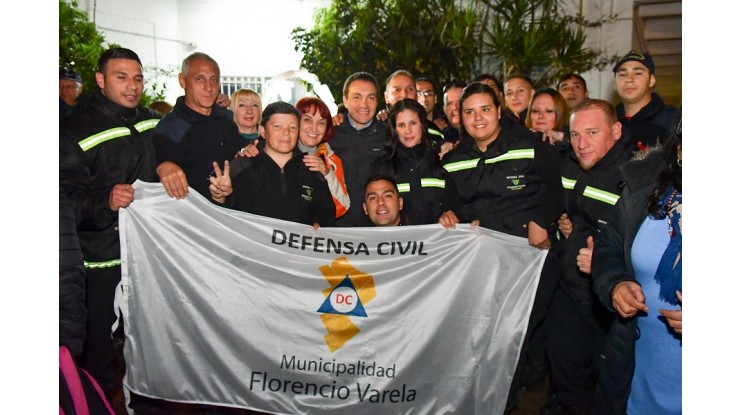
<point x="577" y="323"/>
<point x="399" y="85"/>
<point x="642" y="111"/>
<point x="518" y="91"/>
<point x="435" y="121"/>
<point x="104" y="148"/>
<point x="70" y="93"/>
<point x="573" y="88"/>
<point x="358" y="140"/>
<point x="451" y="107"/>
<point x="382" y="203"/>
<point x="196" y="132"/>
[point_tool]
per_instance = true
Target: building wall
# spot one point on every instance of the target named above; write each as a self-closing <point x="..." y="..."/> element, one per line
<point x="252" y="38"/>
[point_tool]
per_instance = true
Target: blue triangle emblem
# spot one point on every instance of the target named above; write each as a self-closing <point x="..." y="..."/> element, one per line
<point x="343" y="300"/>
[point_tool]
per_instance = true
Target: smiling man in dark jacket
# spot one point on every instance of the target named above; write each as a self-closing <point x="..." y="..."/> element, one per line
<point x="577" y="323"/>
<point x="104" y="148"/>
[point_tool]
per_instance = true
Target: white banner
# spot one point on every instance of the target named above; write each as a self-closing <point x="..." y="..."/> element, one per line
<point x="227" y="308"/>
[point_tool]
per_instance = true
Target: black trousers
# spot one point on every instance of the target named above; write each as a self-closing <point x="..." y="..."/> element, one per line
<point x="576" y="335"/>
<point x="98" y="353"/>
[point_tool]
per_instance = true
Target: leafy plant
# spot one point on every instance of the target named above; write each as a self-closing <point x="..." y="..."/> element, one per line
<point x="536" y="38"/>
<point x="431" y="38"/>
<point x="80" y="43"/>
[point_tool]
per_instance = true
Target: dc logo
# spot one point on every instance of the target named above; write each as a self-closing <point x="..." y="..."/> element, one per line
<point x="343" y="299"/>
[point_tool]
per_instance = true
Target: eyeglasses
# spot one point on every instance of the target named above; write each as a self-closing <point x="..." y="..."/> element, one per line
<point x="425" y="93"/>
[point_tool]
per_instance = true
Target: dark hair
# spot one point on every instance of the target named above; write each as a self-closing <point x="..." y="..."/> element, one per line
<point x="484" y="76"/>
<point x="562" y="112"/>
<point x="377" y="178"/>
<point x="308" y="105"/>
<point x="116" y="53"/>
<point x="572" y="76"/>
<point x="522" y="77"/>
<point x="400" y="106"/>
<point x="193" y="56"/>
<point x="455" y="83"/>
<point x="359" y="76"/>
<point x="478" y="88"/>
<point x="671" y="173"/>
<point x="278" y="107"/>
<point x="422" y="79"/>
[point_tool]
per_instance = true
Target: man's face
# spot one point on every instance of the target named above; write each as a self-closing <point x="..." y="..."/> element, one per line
<point x="452" y="106"/>
<point x="400" y="86"/>
<point x="361" y="102"/>
<point x="518" y="93"/>
<point x="382" y="203"/>
<point x="69" y="90"/>
<point x="122" y="82"/>
<point x="201" y="85"/>
<point x="281" y="134"/>
<point x="426" y="96"/>
<point x="592" y="136"/>
<point x="573" y="91"/>
<point x="633" y="82"/>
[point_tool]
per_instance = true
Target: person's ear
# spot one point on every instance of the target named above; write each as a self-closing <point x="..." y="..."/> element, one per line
<point x="181" y="80"/>
<point x="652" y="81"/>
<point x="364" y="207"/>
<point x="100" y="80"/>
<point x="400" y="203"/>
<point x="617" y="130"/>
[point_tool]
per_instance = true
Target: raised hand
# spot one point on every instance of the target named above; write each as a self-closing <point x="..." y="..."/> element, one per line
<point x="583" y="260"/>
<point x="220" y="186"/>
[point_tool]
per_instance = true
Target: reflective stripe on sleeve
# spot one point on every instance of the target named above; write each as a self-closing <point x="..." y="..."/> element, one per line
<point x="105" y="264"/>
<point x="432" y="182"/>
<point x="568" y="184"/>
<point x="601" y="195"/>
<point x="103" y="136"/>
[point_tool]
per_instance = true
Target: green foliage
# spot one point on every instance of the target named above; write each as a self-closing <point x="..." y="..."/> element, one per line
<point x="431" y="38"/>
<point x="534" y="37"/>
<point x="80" y="46"/>
<point x="80" y="43"/>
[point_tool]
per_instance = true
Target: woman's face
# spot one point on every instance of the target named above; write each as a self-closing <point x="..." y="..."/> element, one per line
<point x="281" y="133"/>
<point x="313" y="128"/>
<point x="247" y="113"/>
<point x="408" y="128"/>
<point x="481" y="118"/>
<point x="543" y="113"/>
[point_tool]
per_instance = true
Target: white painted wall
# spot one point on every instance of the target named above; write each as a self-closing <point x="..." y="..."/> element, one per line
<point x="246" y="37"/>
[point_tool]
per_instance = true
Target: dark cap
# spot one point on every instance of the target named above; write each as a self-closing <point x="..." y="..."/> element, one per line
<point x="69" y="74"/>
<point x="643" y="58"/>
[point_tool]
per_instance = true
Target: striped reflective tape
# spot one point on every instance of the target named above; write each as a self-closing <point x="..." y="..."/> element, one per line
<point x="106" y="264"/>
<point x="568" y="184"/>
<point x="526" y="153"/>
<point x="461" y="165"/>
<point x="103" y="136"/>
<point x="117" y="132"/>
<point x="404" y="187"/>
<point x="146" y="125"/>
<point x="601" y="195"/>
<point x="432" y="182"/>
<point x="435" y="132"/>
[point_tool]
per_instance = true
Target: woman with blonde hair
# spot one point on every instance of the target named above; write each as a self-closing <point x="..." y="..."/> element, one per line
<point x="246" y="105"/>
